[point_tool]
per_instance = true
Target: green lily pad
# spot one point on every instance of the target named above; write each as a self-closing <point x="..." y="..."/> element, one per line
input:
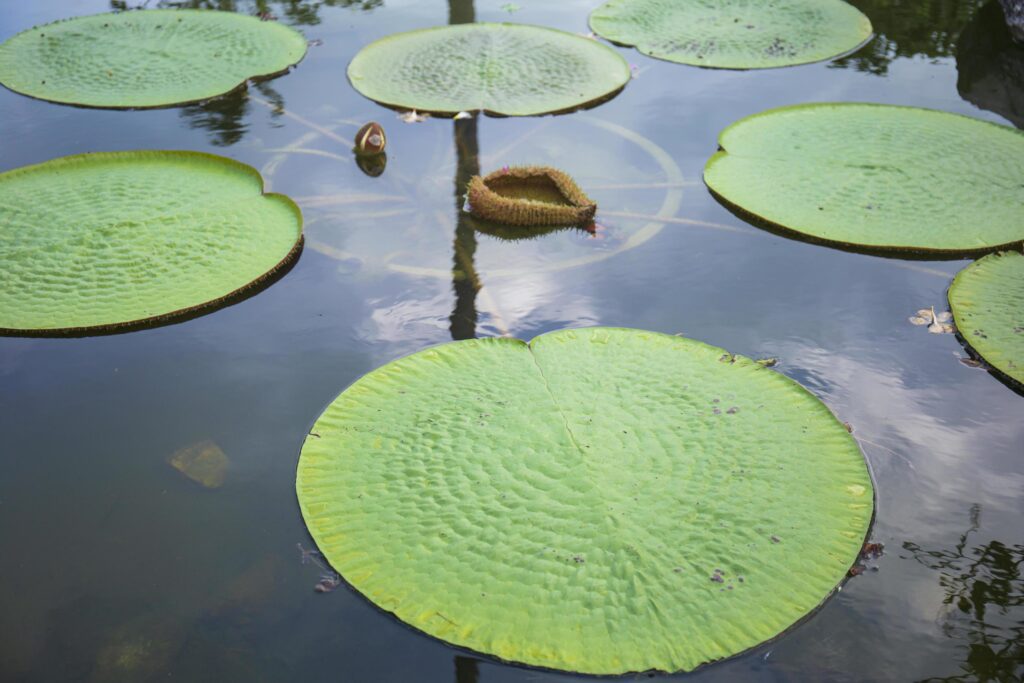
<point x="734" y="34"/>
<point x="97" y="242"/>
<point x="987" y="300"/>
<point x="146" y="58"/>
<point x="600" y="500"/>
<point x="506" y="69"/>
<point x="876" y="177"/>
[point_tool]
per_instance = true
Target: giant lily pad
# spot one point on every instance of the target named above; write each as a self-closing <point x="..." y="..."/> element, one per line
<point x="101" y="241"/>
<point x="599" y="500"/>
<point x="146" y="58"/>
<point x="734" y="34"/>
<point x="876" y="177"/>
<point x="987" y="299"/>
<point x="509" y="69"/>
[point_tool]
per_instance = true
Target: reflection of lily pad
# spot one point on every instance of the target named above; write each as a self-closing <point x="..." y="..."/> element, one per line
<point x="600" y="500"/>
<point x="876" y="176"/>
<point x="509" y="69"/>
<point x="146" y="58"/>
<point x="102" y="241"/>
<point x="987" y="299"/>
<point x="734" y="34"/>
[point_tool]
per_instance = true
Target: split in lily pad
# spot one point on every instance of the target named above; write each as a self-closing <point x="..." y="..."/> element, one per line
<point x="504" y="69"/>
<point x="562" y="503"/>
<point x="734" y="34"/>
<point x="875" y="177"/>
<point x="530" y="196"/>
<point x="146" y="58"/>
<point x="101" y="242"/>
<point x="987" y="299"/>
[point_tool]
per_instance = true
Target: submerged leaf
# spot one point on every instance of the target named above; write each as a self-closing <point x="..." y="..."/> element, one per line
<point x="147" y="58"/>
<point x="516" y="499"/>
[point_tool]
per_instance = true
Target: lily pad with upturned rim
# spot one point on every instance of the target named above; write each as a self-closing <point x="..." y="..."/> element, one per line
<point x="504" y="69"/>
<point x="987" y="300"/>
<point x="102" y="242"/>
<point x="599" y="500"/>
<point x="146" y="58"/>
<point x="876" y="177"/>
<point x="734" y="34"/>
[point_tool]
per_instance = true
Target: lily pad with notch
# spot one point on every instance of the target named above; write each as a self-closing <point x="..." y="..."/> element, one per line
<point x="502" y="69"/>
<point x="105" y="242"/>
<point x="146" y="58"/>
<point x="588" y="475"/>
<point x="875" y="177"/>
<point x="734" y="34"/>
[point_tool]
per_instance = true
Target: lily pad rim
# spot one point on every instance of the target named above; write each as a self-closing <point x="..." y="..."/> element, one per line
<point x="256" y="78"/>
<point x="840" y="55"/>
<point x="254" y="286"/>
<point x="888" y="251"/>
<point x="450" y="113"/>
<point x="1011" y="383"/>
<point x="487" y="656"/>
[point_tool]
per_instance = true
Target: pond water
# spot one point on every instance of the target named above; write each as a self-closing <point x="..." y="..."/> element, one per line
<point x="116" y="567"/>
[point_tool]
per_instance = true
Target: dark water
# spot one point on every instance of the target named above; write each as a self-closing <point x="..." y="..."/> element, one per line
<point x="116" y="567"/>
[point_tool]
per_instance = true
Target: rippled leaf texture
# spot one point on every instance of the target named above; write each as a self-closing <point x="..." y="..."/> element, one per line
<point x="876" y="176"/>
<point x="987" y="299"/>
<point x="600" y="500"/>
<point x="734" y="34"/>
<point x="100" y="241"/>
<point x="509" y="69"/>
<point x="146" y="58"/>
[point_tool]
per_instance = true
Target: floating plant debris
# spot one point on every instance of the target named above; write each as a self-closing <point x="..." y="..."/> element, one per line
<point x="876" y="177"/>
<point x="734" y="34"/>
<point x="137" y="59"/>
<point x="507" y="69"/>
<point x="938" y="323"/>
<point x="204" y="463"/>
<point x="987" y="300"/>
<point x="530" y="195"/>
<point x="101" y="242"/>
<point x="434" y="478"/>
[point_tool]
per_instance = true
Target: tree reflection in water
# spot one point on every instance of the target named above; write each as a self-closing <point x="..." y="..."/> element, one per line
<point x="983" y="604"/>
<point x="298" y="12"/>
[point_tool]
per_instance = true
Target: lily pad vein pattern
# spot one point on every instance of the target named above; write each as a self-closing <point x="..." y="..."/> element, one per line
<point x="600" y="500"/>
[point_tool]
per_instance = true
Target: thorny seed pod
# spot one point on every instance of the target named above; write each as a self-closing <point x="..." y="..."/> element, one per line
<point x="370" y="139"/>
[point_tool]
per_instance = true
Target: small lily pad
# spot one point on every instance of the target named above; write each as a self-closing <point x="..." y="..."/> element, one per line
<point x="875" y="177"/>
<point x="146" y="58"/>
<point x="987" y="299"/>
<point x="562" y="503"/>
<point x="102" y="242"/>
<point x="734" y="34"/>
<point x="505" y="69"/>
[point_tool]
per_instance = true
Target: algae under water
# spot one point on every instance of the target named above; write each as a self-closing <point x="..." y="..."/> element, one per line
<point x="117" y="566"/>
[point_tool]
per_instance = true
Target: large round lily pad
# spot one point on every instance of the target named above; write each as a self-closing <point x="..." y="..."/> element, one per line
<point x="146" y="58"/>
<point x="987" y="300"/>
<point x="734" y="34"/>
<point x="509" y="69"/>
<point x="601" y="500"/>
<point x="101" y="241"/>
<point x="876" y="177"/>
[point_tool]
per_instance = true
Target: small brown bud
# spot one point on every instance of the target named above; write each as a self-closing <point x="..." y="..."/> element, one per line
<point x="370" y="139"/>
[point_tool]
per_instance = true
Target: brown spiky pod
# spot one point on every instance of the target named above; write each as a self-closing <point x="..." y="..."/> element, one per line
<point x="492" y="197"/>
